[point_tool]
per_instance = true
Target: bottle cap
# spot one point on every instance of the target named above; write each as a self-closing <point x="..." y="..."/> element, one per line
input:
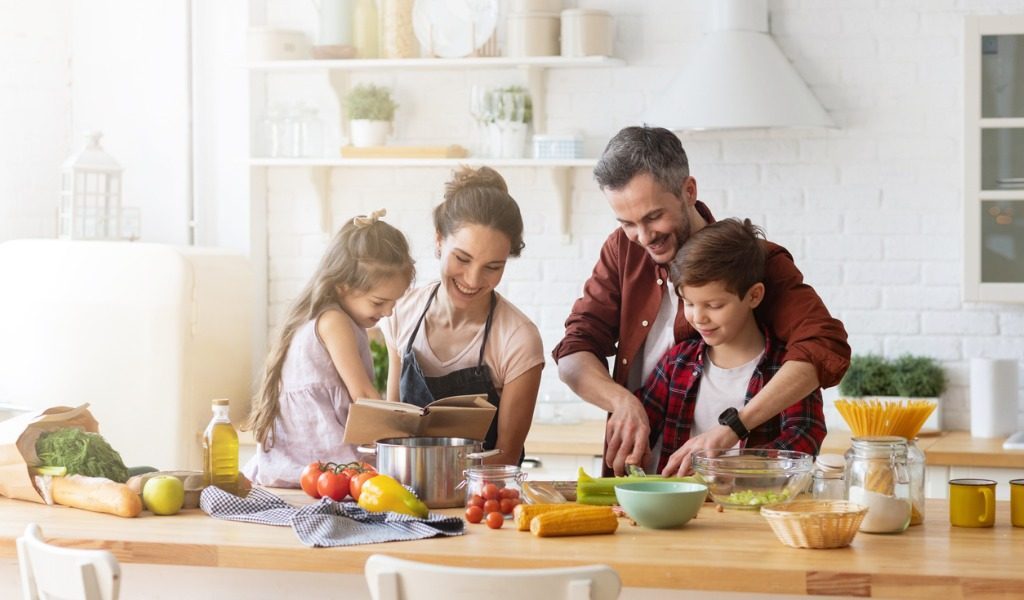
<point x="220" y="401"/>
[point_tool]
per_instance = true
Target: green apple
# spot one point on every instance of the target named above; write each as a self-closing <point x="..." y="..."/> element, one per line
<point x="163" y="495"/>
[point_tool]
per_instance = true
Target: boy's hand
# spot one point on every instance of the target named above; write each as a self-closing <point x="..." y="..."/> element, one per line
<point x="718" y="438"/>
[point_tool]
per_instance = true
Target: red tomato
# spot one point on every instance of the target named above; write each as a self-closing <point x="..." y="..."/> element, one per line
<point x="490" y="492"/>
<point x="506" y="505"/>
<point x="475" y="500"/>
<point x="355" y="485"/>
<point x="333" y="485"/>
<point x="495" y="520"/>
<point x="308" y="480"/>
<point x="474" y="514"/>
<point x="508" y="493"/>
<point x="491" y="506"/>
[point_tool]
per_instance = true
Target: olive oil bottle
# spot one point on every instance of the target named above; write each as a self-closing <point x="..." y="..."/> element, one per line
<point x="220" y="449"/>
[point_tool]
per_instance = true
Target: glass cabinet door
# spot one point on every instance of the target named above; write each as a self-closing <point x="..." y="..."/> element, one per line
<point x="994" y="159"/>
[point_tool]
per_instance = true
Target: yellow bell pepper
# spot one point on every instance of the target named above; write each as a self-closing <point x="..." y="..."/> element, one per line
<point x="384" y="494"/>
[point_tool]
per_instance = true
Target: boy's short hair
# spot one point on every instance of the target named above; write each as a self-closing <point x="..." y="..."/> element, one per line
<point x="730" y="251"/>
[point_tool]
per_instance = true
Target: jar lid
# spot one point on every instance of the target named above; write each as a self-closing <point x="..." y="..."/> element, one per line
<point x="830" y="462"/>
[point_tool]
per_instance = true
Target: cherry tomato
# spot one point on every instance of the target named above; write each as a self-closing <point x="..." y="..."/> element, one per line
<point x="490" y="492"/>
<point x="491" y="506"/>
<point x="506" y="505"/>
<point x="495" y="520"/>
<point x="308" y="480"/>
<point x="355" y="485"/>
<point x="474" y="514"/>
<point x="508" y="493"/>
<point x="475" y="500"/>
<point x="333" y="485"/>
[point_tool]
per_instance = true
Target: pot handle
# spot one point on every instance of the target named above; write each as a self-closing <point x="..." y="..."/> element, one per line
<point x="367" y="450"/>
<point x="484" y="454"/>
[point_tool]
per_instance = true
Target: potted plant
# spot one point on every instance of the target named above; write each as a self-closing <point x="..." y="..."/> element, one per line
<point x="370" y="110"/>
<point x="509" y="112"/>
<point x="919" y="377"/>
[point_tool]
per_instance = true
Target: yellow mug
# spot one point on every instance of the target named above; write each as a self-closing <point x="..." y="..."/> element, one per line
<point x="1017" y="502"/>
<point x="972" y="502"/>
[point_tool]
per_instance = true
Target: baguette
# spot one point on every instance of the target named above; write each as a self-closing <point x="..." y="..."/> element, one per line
<point x="97" y="494"/>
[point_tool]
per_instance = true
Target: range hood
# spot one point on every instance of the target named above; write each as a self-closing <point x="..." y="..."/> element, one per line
<point x="737" y="78"/>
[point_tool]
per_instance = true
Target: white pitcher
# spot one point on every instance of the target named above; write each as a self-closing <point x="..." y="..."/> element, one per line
<point x="336" y="18"/>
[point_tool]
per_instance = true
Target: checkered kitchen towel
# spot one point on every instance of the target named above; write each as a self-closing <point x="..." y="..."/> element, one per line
<point x="326" y="523"/>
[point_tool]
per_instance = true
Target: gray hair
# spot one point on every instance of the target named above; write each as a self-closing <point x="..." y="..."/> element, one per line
<point x="642" y="149"/>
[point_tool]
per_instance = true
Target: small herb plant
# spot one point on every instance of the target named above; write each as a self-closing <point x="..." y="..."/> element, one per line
<point x="370" y="102"/>
<point x="907" y="376"/>
<point x="511" y="103"/>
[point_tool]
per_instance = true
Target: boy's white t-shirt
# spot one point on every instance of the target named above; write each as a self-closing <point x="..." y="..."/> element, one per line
<point x="720" y="389"/>
<point x="513" y="347"/>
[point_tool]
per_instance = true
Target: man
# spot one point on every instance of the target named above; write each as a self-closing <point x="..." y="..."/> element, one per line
<point x="629" y="307"/>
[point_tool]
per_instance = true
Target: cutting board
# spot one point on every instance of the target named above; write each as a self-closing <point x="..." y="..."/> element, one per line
<point x="450" y="151"/>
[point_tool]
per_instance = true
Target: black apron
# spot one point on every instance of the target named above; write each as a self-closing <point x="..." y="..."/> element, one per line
<point x="416" y="388"/>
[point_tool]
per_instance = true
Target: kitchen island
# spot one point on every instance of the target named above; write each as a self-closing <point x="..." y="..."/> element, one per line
<point x="727" y="551"/>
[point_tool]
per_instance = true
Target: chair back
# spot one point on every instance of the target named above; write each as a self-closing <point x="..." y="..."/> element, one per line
<point x="396" y="579"/>
<point x="49" y="571"/>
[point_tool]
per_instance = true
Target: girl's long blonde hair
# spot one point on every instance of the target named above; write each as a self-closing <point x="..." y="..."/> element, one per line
<point x="363" y="253"/>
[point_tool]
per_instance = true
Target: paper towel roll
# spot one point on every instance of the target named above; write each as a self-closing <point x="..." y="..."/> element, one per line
<point x="993" y="397"/>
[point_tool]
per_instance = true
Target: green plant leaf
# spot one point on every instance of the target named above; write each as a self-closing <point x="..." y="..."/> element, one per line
<point x="379" y="352"/>
<point x="372" y="102"/>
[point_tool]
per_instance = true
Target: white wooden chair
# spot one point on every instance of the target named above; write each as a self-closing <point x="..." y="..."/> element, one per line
<point x="396" y="579"/>
<point x="49" y="571"/>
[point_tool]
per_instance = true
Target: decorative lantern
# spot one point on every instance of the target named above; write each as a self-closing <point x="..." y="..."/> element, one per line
<point x="90" y="196"/>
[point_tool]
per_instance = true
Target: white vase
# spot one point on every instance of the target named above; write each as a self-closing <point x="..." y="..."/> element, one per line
<point x="365" y="133"/>
<point x="507" y="139"/>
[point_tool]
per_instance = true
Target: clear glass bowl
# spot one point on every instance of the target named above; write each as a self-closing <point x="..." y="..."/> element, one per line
<point x="753" y="477"/>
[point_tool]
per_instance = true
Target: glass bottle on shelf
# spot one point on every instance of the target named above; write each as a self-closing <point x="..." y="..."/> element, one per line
<point x="877" y="476"/>
<point x="291" y="126"/>
<point x="220" y="449"/>
<point x="271" y="133"/>
<point x="310" y="133"/>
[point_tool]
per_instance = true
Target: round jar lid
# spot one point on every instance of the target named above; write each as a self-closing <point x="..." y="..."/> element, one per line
<point x="831" y="462"/>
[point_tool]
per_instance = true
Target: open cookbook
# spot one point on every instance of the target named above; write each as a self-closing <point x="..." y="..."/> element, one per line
<point x="466" y="416"/>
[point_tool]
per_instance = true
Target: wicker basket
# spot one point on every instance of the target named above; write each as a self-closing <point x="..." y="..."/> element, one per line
<point x="815" y="523"/>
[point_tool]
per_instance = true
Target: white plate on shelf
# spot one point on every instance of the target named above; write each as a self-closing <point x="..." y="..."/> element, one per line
<point x="454" y="28"/>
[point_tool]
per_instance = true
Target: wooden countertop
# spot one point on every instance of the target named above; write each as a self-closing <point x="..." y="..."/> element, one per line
<point x="950" y="448"/>
<point x="732" y="550"/>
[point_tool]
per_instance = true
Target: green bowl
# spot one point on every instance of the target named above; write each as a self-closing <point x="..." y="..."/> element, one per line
<point x="661" y="504"/>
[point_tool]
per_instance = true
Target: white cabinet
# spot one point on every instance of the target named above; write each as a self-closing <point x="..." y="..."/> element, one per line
<point x="994" y="158"/>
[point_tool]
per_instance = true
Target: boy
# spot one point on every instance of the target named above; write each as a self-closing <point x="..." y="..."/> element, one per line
<point x="703" y="381"/>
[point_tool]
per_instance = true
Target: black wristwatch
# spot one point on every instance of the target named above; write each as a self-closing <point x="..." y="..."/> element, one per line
<point x="730" y="417"/>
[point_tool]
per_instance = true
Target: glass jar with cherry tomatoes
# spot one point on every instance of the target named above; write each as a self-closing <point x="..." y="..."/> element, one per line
<point x="494" y="488"/>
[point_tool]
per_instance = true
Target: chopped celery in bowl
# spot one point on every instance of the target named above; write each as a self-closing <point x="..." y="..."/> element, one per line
<point x="753" y="477"/>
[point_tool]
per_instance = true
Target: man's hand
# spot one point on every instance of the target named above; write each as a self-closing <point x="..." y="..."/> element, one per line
<point x="628" y="432"/>
<point x="719" y="438"/>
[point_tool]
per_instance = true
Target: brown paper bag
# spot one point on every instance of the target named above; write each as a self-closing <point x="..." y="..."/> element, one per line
<point x="18" y="437"/>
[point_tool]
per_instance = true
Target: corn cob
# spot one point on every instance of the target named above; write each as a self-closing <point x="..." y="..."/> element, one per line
<point x="590" y="521"/>
<point x="524" y="513"/>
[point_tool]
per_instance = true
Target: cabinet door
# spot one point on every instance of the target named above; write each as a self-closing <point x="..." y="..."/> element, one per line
<point x="994" y="159"/>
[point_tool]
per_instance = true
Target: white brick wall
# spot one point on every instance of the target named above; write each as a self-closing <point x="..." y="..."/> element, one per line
<point x="871" y="210"/>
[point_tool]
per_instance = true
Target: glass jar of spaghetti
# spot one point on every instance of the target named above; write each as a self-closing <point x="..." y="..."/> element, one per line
<point x="878" y="476"/>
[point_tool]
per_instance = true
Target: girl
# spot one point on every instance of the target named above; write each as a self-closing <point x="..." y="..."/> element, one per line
<point x="457" y="335"/>
<point x="322" y="360"/>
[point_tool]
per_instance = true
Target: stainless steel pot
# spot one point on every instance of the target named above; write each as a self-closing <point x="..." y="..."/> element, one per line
<point x="432" y="466"/>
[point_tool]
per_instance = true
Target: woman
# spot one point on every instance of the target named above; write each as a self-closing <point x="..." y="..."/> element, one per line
<point x="457" y="335"/>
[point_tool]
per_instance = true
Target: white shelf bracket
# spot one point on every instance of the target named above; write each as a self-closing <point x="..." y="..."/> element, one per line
<point x="538" y="96"/>
<point x="562" y="178"/>
<point x="321" y="177"/>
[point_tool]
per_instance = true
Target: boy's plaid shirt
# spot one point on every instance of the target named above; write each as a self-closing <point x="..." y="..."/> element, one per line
<point x="670" y="395"/>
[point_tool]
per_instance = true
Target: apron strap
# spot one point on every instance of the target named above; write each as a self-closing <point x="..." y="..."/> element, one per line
<point x="416" y="330"/>
<point x="487" y="328"/>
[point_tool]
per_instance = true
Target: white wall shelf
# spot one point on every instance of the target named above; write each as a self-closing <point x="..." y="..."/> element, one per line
<point x="423" y="162"/>
<point x="495" y="62"/>
<point x="559" y="170"/>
